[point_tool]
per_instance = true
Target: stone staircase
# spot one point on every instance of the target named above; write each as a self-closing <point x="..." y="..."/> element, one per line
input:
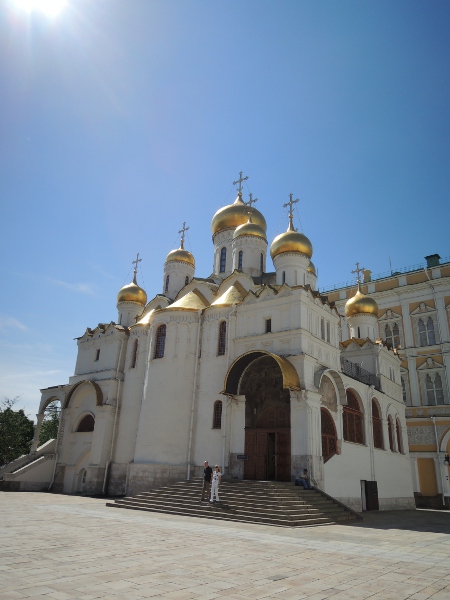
<point x="264" y="502"/>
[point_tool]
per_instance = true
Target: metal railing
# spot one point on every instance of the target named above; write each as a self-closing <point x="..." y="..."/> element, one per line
<point x="354" y="371"/>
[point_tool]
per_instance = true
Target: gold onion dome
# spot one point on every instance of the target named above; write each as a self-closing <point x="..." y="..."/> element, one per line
<point x="132" y="293"/>
<point x="291" y="241"/>
<point x="361" y="304"/>
<point x="249" y="228"/>
<point x="181" y="255"/>
<point x="235" y="214"/>
<point x="311" y="268"/>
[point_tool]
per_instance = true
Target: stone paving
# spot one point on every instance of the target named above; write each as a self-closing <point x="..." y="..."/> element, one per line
<point x="66" y="547"/>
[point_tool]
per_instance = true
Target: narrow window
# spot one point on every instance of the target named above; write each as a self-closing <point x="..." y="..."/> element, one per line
<point x="322" y="328"/>
<point x="353" y="420"/>
<point x="328" y="331"/>
<point x="167" y="284"/>
<point x="399" y="435"/>
<point x="329" y="435"/>
<point x="222" y="343"/>
<point x="261" y="263"/>
<point x="217" y="415"/>
<point x="359" y="333"/>
<point x="268" y="325"/>
<point x="391" y="434"/>
<point x="430" y="332"/>
<point x="134" y="354"/>
<point x="160" y="342"/>
<point x="284" y="276"/>
<point x="435" y="392"/>
<point x="377" y="426"/>
<point x="404" y="390"/>
<point x="396" y="336"/>
<point x="240" y="255"/>
<point x="86" y="424"/>
<point x="186" y="281"/>
<point x="223" y="260"/>
<point x="97" y="355"/>
<point x="422" y="333"/>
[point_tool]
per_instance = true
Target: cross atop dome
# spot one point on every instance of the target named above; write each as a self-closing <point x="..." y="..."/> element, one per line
<point x="183" y="231"/>
<point x="291" y="214"/>
<point x="136" y="263"/>
<point x="358" y="272"/>
<point x="239" y="181"/>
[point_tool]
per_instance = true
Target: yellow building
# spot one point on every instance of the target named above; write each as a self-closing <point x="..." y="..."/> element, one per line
<point x="413" y="318"/>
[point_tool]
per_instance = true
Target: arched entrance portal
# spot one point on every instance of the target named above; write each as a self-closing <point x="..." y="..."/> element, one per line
<point x="267" y="421"/>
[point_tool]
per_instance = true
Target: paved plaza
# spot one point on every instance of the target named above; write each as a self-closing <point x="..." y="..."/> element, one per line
<point x="67" y="547"/>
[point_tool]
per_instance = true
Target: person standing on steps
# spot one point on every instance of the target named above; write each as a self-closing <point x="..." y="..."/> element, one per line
<point x="207" y="477"/>
<point x="215" y="482"/>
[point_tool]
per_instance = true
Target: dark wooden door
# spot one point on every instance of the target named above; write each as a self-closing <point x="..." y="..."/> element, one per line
<point x="283" y="455"/>
<point x="372" y="495"/>
<point x="255" y="466"/>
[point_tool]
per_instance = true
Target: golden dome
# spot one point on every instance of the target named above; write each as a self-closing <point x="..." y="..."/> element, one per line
<point x="291" y="241"/>
<point x="181" y="255"/>
<point x="249" y="228"/>
<point x="361" y="304"/>
<point x="311" y="268"/>
<point x="233" y="215"/>
<point x="132" y="293"/>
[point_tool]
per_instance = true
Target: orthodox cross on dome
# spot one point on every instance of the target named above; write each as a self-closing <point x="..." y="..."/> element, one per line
<point x="136" y="262"/>
<point x="358" y="272"/>
<point x="249" y="204"/>
<point x="239" y="181"/>
<point x="291" y="214"/>
<point x="183" y="231"/>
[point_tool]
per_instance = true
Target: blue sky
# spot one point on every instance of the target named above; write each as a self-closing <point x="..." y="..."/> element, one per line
<point x="120" y="120"/>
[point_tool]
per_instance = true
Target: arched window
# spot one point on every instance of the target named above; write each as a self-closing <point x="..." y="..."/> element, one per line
<point x="377" y="426"/>
<point x="167" y="284"/>
<point x="86" y="424"/>
<point x="186" y="280"/>
<point x="261" y="263"/>
<point x="217" y="415"/>
<point x="97" y="354"/>
<point x="160" y="341"/>
<point x="435" y="391"/>
<point x="353" y="420"/>
<point x="223" y="260"/>
<point x="134" y="354"/>
<point x="398" y="431"/>
<point x="427" y="336"/>
<point x="222" y="343"/>
<point x="392" y="335"/>
<point x="391" y="434"/>
<point x="329" y="435"/>
<point x="240" y="255"/>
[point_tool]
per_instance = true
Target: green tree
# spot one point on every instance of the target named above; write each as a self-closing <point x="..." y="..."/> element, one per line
<point x="16" y="432"/>
<point x="49" y="427"/>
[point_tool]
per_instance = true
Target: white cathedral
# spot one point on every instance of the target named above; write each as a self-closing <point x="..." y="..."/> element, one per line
<point x="244" y="368"/>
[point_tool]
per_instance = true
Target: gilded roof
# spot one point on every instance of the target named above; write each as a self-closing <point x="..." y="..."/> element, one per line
<point x="192" y="301"/>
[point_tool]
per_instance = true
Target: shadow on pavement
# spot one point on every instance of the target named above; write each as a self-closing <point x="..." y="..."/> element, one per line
<point x="437" y="521"/>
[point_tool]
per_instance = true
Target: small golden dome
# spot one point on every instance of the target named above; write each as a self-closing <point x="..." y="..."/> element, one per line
<point x="132" y="293"/>
<point x="361" y="304"/>
<point x="249" y="228"/>
<point x="181" y="255"/>
<point x="311" y="268"/>
<point x="235" y="214"/>
<point x="291" y="241"/>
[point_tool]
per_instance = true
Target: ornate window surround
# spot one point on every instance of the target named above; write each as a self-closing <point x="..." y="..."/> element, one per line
<point x="404" y="378"/>
<point x="391" y="318"/>
<point x="431" y="368"/>
<point x="423" y="312"/>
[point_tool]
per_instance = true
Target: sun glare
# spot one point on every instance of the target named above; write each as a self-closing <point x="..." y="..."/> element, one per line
<point x="49" y="7"/>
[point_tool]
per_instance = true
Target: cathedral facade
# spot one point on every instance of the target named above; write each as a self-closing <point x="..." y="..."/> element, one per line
<point x="244" y="368"/>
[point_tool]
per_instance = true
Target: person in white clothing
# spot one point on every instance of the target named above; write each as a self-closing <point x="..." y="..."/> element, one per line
<point x="215" y="482"/>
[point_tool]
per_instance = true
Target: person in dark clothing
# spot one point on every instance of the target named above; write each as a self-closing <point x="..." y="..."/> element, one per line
<point x="207" y="475"/>
<point x="303" y="479"/>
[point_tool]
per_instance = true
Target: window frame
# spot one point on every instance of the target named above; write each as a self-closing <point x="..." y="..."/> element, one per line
<point x="353" y="420"/>
<point x="160" y="341"/>
<point x="377" y="426"/>
<point x="223" y="260"/>
<point x="217" y="415"/>
<point x="222" y="338"/>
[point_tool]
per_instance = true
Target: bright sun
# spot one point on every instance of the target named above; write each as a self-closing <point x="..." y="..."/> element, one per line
<point x="49" y="7"/>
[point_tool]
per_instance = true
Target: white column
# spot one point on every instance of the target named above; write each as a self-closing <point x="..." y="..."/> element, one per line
<point x="407" y="326"/>
<point x="35" y="442"/>
<point x="442" y="318"/>
<point x="413" y="380"/>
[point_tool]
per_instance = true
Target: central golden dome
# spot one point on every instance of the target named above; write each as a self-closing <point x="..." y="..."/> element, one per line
<point x="181" y="255"/>
<point x="249" y="228"/>
<point x="132" y="293"/>
<point x="235" y="214"/>
<point x="291" y="241"/>
<point x="361" y="304"/>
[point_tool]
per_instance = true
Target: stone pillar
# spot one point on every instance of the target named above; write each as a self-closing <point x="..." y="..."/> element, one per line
<point x="236" y="412"/>
<point x="442" y="318"/>
<point x="413" y="378"/>
<point x="407" y="326"/>
<point x="35" y="442"/>
<point x="306" y="441"/>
